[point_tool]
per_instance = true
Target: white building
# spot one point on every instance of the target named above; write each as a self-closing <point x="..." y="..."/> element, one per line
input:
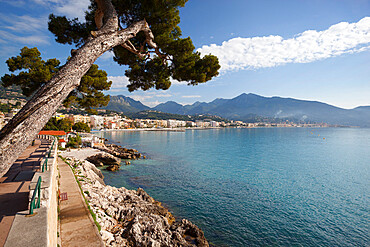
<point x="171" y="123"/>
<point x="199" y="123"/>
<point x="97" y="122"/>
<point x="214" y="124"/>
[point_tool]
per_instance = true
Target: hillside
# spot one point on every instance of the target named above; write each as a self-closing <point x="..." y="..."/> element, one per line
<point x="125" y="104"/>
<point x="251" y="106"/>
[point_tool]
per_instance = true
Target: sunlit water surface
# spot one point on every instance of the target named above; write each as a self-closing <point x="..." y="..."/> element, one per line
<point x="258" y="187"/>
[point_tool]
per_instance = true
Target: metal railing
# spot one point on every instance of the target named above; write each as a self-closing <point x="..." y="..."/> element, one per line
<point x="45" y="165"/>
<point x="33" y="200"/>
<point x="51" y="148"/>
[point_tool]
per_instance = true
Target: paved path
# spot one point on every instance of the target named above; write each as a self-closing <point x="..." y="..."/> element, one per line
<point x="76" y="225"/>
<point x="14" y="185"/>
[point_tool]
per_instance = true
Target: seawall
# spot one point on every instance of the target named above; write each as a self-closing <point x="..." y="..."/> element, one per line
<point x="40" y="228"/>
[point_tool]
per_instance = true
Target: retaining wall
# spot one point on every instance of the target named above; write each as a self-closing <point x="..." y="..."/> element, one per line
<point x="39" y="229"/>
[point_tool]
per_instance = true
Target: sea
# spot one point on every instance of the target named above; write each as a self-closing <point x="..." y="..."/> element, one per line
<point x="257" y="187"/>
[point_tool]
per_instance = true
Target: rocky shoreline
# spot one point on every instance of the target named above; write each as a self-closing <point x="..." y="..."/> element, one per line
<point x="121" y="152"/>
<point x="129" y="217"/>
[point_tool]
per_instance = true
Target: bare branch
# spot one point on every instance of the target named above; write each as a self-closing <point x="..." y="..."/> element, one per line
<point x="106" y="21"/>
<point x="129" y="46"/>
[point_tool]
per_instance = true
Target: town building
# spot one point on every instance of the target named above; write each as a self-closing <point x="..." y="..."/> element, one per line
<point x="79" y="118"/>
<point x="96" y="122"/>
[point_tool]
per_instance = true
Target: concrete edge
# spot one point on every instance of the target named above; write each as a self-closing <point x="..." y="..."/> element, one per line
<point x="97" y="232"/>
<point x="39" y="229"/>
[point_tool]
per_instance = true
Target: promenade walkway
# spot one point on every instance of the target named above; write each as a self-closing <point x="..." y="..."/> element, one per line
<point x="14" y="185"/>
<point x="76" y="225"/>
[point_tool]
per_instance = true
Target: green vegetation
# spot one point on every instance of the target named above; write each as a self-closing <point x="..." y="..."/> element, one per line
<point x="81" y="127"/>
<point x="253" y="118"/>
<point x="175" y="56"/>
<point x="79" y="111"/>
<point x="35" y="72"/>
<point x="11" y="92"/>
<point x="157" y="115"/>
<point x="74" y="142"/>
<point x="5" y="107"/>
<point x="61" y="124"/>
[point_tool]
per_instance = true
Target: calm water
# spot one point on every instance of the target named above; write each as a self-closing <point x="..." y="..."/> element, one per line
<point x="258" y="187"/>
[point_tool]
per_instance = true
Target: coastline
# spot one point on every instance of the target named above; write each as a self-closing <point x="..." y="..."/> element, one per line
<point x="210" y="128"/>
<point x="156" y="129"/>
<point x="129" y="217"/>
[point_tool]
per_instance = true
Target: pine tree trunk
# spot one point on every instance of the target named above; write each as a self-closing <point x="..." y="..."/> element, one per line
<point x="18" y="134"/>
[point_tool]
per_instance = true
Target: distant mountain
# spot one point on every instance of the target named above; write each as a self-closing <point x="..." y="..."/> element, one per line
<point x="153" y="114"/>
<point x="170" y="107"/>
<point x="244" y="106"/>
<point x="363" y="109"/>
<point x="125" y="104"/>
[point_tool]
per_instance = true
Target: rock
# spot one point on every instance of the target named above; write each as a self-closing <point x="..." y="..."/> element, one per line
<point x="94" y="173"/>
<point x="113" y="168"/>
<point x="133" y="218"/>
<point x="101" y="159"/>
<point x="107" y="237"/>
<point x="127" y="162"/>
<point x="120" y="152"/>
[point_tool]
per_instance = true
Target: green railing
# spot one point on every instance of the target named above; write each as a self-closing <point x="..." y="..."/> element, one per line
<point x="51" y="148"/>
<point x="33" y="200"/>
<point x="45" y="165"/>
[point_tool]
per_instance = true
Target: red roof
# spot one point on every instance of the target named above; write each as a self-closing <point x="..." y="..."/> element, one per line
<point x="62" y="140"/>
<point x="52" y="132"/>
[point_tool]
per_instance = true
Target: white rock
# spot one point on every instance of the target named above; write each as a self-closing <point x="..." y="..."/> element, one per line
<point x="107" y="237"/>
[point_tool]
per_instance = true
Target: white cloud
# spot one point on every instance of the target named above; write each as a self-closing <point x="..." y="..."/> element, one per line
<point x="191" y="96"/>
<point x="24" y="29"/>
<point x="32" y="31"/>
<point x="23" y="23"/>
<point x="107" y="56"/>
<point x="163" y="95"/>
<point x="8" y="51"/>
<point x="311" y="45"/>
<point x="15" y="3"/>
<point x="73" y="8"/>
<point x="70" y="8"/>
<point x="150" y="98"/>
<point x="146" y="99"/>
<point x="118" y="81"/>
<point x="176" y="82"/>
<point x="31" y="39"/>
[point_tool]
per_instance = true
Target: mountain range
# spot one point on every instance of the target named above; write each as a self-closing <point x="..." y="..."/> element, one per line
<point x="125" y="104"/>
<point x="245" y="105"/>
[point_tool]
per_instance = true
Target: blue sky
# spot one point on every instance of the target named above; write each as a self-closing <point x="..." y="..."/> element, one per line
<point x="314" y="50"/>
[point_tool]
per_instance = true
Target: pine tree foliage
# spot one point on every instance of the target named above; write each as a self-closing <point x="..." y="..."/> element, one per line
<point x="144" y="36"/>
<point x="147" y="67"/>
<point x="35" y="72"/>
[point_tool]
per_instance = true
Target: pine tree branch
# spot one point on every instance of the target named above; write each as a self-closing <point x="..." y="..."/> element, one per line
<point x="106" y="18"/>
<point x="18" y="134"/>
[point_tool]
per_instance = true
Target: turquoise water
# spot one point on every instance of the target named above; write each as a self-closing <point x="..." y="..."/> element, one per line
<point x="258" y="187"/>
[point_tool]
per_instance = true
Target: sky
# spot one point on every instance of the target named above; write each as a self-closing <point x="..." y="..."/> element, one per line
<point x="305" y="49"/>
